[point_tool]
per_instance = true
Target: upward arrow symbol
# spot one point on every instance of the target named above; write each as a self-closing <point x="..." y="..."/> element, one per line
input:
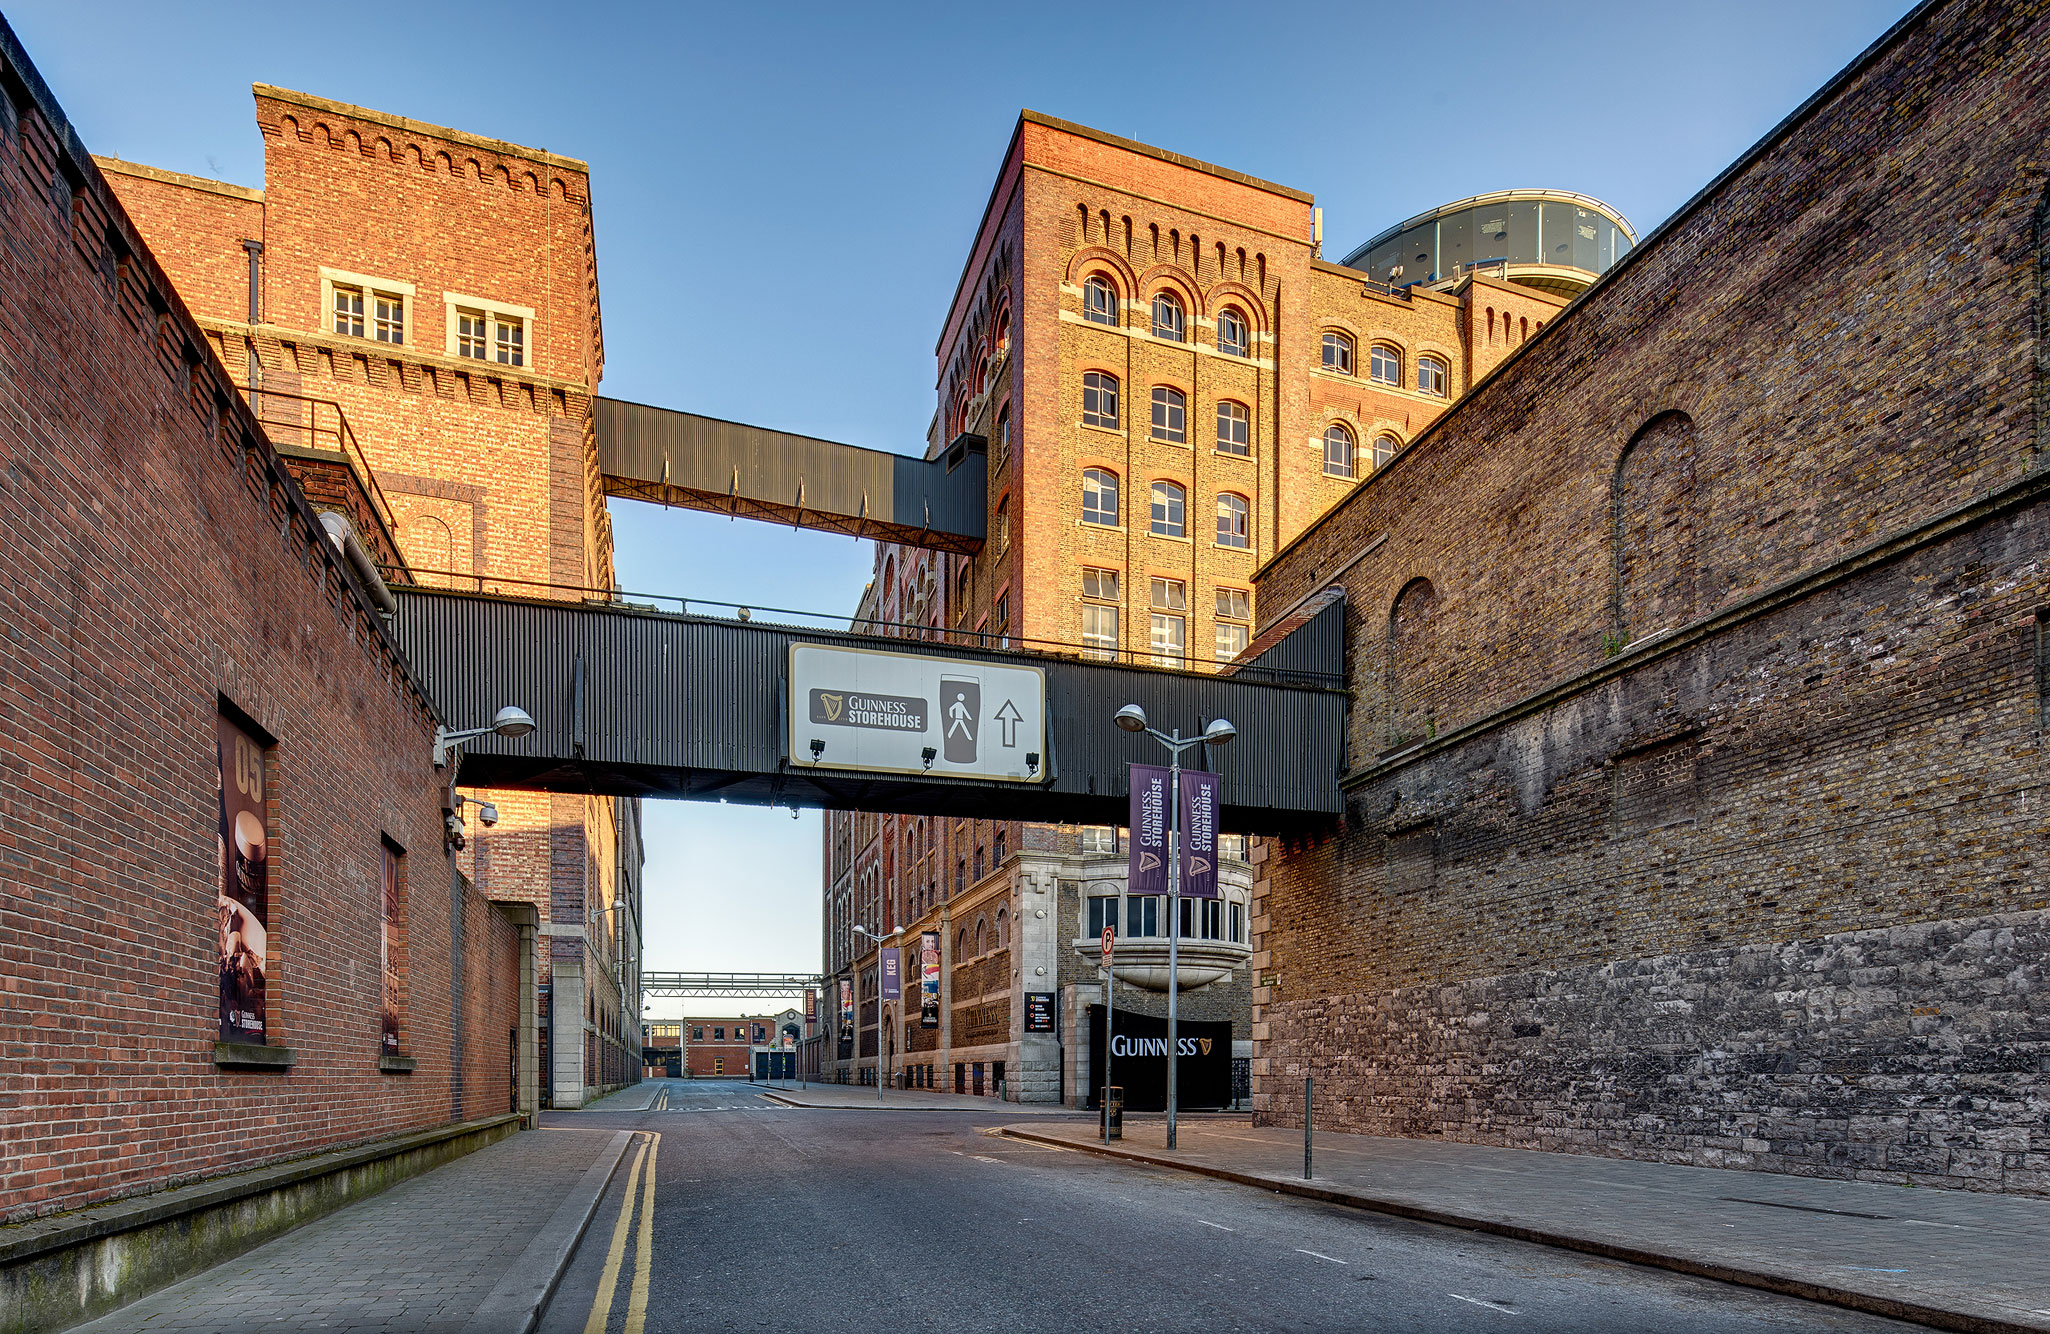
<point x="1008" y="718"/>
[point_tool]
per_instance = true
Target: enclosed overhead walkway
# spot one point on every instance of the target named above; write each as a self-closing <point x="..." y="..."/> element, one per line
<point x="631" y="701"/>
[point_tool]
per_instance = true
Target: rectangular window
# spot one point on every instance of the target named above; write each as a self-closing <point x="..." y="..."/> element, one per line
<point x="719" y="1033"/>
<point x="1231" y="847"/>
<point x="1103" y="911"/>
<point x="349" y="311"/>
<point x="1142" y="915"/>
<point x="471" y="332"/>
<point x="242" y="898"/>
<point x="1202" y="917"/>
<point x="1100" y="614"/>
<point x="1234" y="609"/>
<point x="511" y="338"/>
<point x="1100" y="838"/>
<point x="1231" y="640"/>
<point x="1169" y="640"/>
<point x="389" y="323"/>
<point x="390" y="948"/>
<point x="1238" y="924"/>
<point x="1234" y="429"/>
<point x="697" y="1035"/>
<point x="1100" y="585"/>
<point x="1000" y="617"/>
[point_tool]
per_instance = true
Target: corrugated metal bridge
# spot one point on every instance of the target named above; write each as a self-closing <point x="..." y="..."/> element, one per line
<point x="633" y="701"/>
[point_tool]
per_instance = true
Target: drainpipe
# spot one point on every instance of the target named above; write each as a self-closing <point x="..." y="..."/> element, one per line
<point x="344" y="537"/>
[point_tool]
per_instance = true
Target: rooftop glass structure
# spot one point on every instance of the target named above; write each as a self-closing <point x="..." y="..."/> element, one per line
<point x="1548" y="239"/>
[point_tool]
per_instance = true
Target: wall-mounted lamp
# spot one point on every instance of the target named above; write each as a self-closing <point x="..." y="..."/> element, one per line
<point x="929" y="754"/>
<point x="512" y="720"/>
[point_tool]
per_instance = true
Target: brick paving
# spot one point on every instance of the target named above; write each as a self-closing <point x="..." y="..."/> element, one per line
<point x="418" y="1258"/>
<point x="1957" y="1259"/>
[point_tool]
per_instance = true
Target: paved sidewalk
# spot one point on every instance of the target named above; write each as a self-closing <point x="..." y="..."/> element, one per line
<point x="1953" y="1259"/>
<point x="859" y="1097"/>
<point x="422" y="1256"/>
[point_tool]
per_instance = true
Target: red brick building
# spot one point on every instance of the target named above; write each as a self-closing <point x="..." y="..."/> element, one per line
<point x="231" y="932"/>
<point x="427" y="299"/>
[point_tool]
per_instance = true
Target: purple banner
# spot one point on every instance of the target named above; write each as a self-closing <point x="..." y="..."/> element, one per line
<point x="242" y="894"/>
<point x="1146" y="869"/>
<point x="1199" y="834"/>
<point x="893" y="971"/>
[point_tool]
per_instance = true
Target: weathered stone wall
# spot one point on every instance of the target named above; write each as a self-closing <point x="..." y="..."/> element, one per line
<point x="1698" y="680"/>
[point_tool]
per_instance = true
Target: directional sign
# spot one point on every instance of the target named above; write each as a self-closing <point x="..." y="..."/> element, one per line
<point x="910" y="713"/>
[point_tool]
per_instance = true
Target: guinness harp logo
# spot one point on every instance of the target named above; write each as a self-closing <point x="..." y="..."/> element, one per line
<point x="1198" y="865"/>
<point x="1204" y="1043"/>
<point x="1148" y="862"/>
<point x="834" y="704"/>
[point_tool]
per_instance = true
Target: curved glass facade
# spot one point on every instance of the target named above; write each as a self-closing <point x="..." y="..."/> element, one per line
<point x="1532" y="230"/>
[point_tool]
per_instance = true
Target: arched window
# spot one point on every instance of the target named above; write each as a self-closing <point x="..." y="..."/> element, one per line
<point x="1338" y="352"/>
<point x="981" y="936"/>
<point x="1384" y="364"/>
<point x="1338" y="450"/>
<point x="1233" y="338"/>
<point x="1170" y="504"/>
<point x="1168" y="319"/>
<point x="1233" y="516"/>
<point x="1430" y="375"/>
<point x="1001" y="342"/>
<point x="1099" y="300"/>
<point x="1100" y="400"/>
<point x="1234" y="429"/>
<point x="1385" y="447"/>
<point x="1100" y="497"/>
<point x="1003" y="928"/>
<point x="961" y="945"/>
<point x="1170" y="415"/>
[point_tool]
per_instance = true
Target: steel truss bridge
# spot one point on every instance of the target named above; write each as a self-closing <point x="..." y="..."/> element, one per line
<point x="735" y="986"/>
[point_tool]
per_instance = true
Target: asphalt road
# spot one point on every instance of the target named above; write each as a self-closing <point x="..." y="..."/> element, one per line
<point x="772" y="1218"/>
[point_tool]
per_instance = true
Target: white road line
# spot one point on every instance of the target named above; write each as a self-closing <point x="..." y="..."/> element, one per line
<point x="1219" y="1226"/>
<point x="980" y="1159"/>
<point x="1478" y="1302"/>
<point x="1319" y="1254"/>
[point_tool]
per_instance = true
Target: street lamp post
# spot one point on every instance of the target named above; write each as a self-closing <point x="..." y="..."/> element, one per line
<point x="862" y="930"/>
<point x="1132" y="718"/>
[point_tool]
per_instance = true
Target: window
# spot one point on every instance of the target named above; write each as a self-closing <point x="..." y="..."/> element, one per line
<point x="1170" y="415"/>
<point x="1233" y="614"/>
<point x="388" y="322"/>
<point x="978" y="869"/>
<point x="1238" y="923"/>
<point x="510" y="335"/>
<point x="1170" y="623"/>
<point x="1142" y="915"/>
<point x="1169" y="504"/>
<point x="1002" y="339"/>
<point x="349" y="311"/>
<point x="1384" y="364"/>
<point x="1384" y="449"/>
<point x="1168" y="320"/>
<point x="1103" y="911"/>
<point x="1004" y="524"/>
<point x="1338" y="353"/>
<point x="697" y="1034"/>
<point x="960" y="874"/>
<point x="481" y="330"/>
<point x="1099" y="497"/>
<point x="1233" y="338"/>
<point x="1003" y="434"/>
<point x="1234" y="429"/>
<point x="1430" y="375"/>
<point x="1337" y="450"/>
<point x="1000" y="618"/>
<point x="1232" y="848"/>
<point x="1100" y="614"/>
<point x="996" y="859"/>
<point x="1099" y="838"/>
<point x="1099" y="300"/>
<point x="1202" y="917"/>
<point x="1100" y="400"/>
<point x="473" y="334"/>
<point x="719" y="1033"/>
<point x="1232" y="521"/>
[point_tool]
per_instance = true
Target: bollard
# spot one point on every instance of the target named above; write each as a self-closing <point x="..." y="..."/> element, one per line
<point x="1306" y="1127"/>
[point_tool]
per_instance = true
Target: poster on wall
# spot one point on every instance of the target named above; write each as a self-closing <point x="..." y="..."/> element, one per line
<point x="929" y="980"/>
<point x="388" y="955"/>
<point x="1146" y="872"/>
<point x="893" y="973"/>
<point x="242" y="895"/>
<point x="1199" y="834"/>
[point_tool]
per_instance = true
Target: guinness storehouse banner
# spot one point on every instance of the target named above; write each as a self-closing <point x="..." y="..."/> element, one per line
<point x="1199" y="834"/>
<point x="1141" y="1065"/>
<point x="1146" y="871"/>
<point x="882" y="712"/>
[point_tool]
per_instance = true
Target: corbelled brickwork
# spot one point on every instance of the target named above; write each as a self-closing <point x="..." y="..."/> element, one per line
<point x="159" y="566"/>
<point x="1695" y="807"/>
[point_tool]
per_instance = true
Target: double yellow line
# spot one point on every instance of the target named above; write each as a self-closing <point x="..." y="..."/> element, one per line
<point x="643" y="1229"/>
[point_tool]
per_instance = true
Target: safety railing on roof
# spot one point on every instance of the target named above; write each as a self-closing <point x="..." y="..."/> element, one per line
<point x="319" y="424"/>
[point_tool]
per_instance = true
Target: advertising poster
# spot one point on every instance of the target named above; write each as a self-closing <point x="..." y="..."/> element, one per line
<point x="1199" y="834"/>
<point x="811" y="1006"/>
<point x="929" y="980"/>
<point x="893" y="973"/>
<point x="1139" y="1052"/>
<point x="243" y="896"/>
<point x="388" y="958"/>
<point x="1146" y="871"/>
<point x="847" y="1004"/>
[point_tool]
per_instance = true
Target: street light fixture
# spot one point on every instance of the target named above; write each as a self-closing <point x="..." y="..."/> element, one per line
<point x="512" y="720"/>
<point x="1219" y="732"/>
<point x="864" y="931"/>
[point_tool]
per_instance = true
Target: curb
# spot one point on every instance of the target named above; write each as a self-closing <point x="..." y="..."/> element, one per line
<point x="1871" y="1303"/>
<point x="516" y="1303"/>
<point x="1008" y="1108"/>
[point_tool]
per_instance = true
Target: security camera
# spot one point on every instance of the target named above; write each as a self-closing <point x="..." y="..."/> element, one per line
<point x="452" y="828"/>
<point x="487" y="812"/>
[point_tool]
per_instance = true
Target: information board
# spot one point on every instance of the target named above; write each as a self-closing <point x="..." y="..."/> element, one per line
<point x="909" y="713"/>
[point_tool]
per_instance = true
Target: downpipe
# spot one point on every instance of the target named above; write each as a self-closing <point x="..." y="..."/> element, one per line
<point x="344" y="537"/>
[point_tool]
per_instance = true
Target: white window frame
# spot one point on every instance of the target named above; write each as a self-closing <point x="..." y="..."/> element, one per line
<point x="494" y="312"/>
<point x="408" y="303"/>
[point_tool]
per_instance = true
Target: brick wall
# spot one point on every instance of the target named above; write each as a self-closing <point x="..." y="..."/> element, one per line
<point x="156" y="560"/>
<point x="1696" y="730"/>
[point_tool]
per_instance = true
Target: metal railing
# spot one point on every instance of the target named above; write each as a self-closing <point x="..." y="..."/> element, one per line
<point x="321" y="425"/>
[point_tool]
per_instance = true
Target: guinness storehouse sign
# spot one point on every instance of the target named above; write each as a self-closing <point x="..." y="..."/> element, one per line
<point x="880" y="711"/>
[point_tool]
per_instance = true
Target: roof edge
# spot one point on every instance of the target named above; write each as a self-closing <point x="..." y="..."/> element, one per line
<point x="421" y="127"/>
<point x="1162" y="154"/>
<point x="122" y="167"/>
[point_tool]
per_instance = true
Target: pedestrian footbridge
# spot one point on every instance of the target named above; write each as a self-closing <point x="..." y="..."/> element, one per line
<point x="634" y="701"/>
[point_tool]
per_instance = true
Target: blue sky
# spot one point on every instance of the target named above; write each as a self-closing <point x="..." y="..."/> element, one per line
<point x="785" y="195"/>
